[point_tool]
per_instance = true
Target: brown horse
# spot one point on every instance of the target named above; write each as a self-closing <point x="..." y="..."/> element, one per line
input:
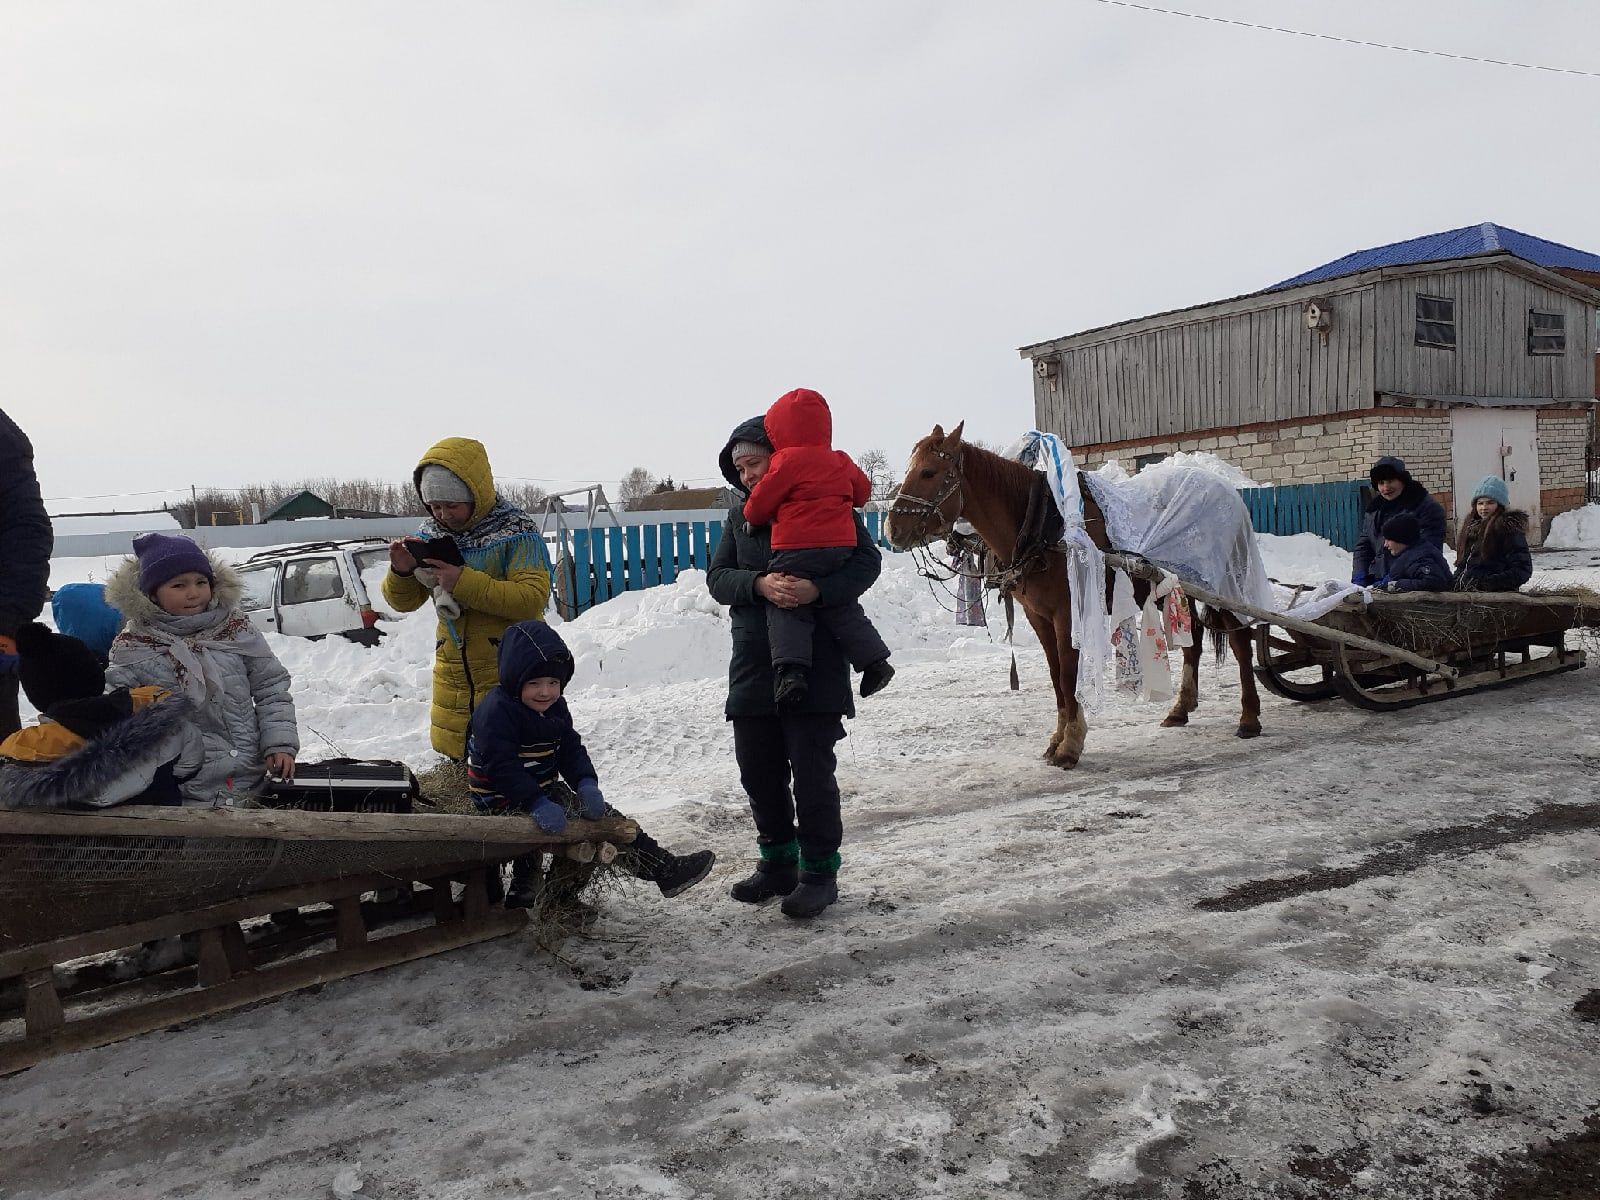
<point x="947" y="479"/>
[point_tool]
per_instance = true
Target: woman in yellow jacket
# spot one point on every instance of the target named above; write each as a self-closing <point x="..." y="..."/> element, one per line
<point x="505" y="579"/>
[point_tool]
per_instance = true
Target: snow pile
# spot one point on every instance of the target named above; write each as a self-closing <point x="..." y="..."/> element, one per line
<point x="1575" y="530"/>
<point x="1198" y="460"/>
<point x="1302" y="558"/>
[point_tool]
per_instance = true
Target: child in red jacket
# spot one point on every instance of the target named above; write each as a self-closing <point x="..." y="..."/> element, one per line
<point x="808" y="496"/>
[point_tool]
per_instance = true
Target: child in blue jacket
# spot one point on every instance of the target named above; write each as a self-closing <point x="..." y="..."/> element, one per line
<point x="524" y="756"/>
<point x="1410" y="562"/>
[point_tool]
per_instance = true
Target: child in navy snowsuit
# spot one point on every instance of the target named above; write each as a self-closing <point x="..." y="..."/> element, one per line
<point x="808" y="496"/>
<point x="1409" y="562"/>
<point x="524" y="756"/>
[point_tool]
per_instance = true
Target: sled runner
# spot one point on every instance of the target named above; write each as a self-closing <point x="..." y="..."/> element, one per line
<point x="74" y="884"/>
<point x="1418" y="647"/>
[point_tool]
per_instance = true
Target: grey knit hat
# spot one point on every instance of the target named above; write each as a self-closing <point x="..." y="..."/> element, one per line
<point x="440" y="485"/>
<point x="740" y="449"/>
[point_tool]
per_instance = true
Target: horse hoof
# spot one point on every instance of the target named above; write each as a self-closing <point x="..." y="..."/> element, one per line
<point x="1175" y="721"/>
<point x="1065" y="763"/>
<point x="1248" y="731"/>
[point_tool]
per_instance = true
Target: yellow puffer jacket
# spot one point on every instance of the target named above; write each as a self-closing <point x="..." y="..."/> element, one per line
<point x="506" y="580"/>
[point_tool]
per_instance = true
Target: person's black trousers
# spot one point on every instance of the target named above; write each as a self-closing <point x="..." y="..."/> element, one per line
<point x="794" y="749"/>
<point x="10" y="714"/>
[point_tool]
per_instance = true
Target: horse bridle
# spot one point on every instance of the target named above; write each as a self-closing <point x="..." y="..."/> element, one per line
<point x="930" y="508"/>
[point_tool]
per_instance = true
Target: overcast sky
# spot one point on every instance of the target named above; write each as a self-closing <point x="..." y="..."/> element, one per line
<point x="242" y="242"/>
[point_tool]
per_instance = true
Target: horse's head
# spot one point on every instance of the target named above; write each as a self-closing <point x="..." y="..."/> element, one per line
<point x="929" y="499"/>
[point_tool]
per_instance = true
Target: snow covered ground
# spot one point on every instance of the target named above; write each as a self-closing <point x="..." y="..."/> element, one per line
<point x="1195" y="967"/>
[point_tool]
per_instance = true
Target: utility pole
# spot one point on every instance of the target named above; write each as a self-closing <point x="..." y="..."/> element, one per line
<point x="194" y="507"/>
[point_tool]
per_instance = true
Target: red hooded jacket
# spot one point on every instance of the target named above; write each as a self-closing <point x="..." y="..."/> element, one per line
<point x="810" y="491"/>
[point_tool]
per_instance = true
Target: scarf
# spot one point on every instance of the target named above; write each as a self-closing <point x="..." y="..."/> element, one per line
<point x="195" y="645"/>
<point x="502" y="522"/>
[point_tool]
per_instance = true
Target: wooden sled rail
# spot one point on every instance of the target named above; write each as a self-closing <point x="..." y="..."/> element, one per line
<point x="228" y="978"/>
<point x="1141" y="569"/>
<point x="135" y="820"/>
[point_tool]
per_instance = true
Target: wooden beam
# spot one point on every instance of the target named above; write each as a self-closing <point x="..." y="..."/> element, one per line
<point x="133" y="820"/>
<point x="350" y="925"/>
<point x="41" y="1010"/>
<point x="257" y="985"/>
<point x="79" y="945"/>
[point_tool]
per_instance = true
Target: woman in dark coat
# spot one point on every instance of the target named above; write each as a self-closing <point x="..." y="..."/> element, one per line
<point x="798" y="832"/>
<point x="1492" y="547"/>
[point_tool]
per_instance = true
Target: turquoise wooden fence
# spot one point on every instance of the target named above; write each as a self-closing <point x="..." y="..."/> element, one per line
<point x="596" y="564"/>
<point x="1330" y="510"/>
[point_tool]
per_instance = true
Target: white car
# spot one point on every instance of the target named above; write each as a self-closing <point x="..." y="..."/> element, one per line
<point x="313" y="590"/>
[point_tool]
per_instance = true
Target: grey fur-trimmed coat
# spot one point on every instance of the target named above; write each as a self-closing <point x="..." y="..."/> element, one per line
<point x="118" y="765"/>
<point x="238" y="689"/>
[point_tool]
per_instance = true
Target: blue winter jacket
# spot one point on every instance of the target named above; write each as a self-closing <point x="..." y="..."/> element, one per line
<point x="81" y="611"/>
<point x="1414" y="499"/>
<point x="1419" y="568"/>
<point x="514" y="754"/>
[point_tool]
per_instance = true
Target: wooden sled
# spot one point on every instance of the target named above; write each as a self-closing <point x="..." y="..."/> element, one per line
<point x="1419" y="647"/>
<point x="74" y="884"/>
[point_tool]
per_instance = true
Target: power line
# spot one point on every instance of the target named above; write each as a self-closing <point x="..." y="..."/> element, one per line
<point x="1349" y="41"/>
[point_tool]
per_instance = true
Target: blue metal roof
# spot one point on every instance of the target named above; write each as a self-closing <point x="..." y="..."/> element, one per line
<point x="1487" y="238"/>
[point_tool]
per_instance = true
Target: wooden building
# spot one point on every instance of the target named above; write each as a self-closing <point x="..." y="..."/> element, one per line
<point x="1467" y="353"/>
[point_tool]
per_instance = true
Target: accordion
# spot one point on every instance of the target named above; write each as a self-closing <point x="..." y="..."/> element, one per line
<point x="345" y="785"/>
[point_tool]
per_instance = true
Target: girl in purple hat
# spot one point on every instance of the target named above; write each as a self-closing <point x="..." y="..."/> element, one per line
<point x="186" y="633"/>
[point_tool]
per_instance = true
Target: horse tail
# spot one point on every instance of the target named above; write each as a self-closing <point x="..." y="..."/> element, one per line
<point x="1211" y="620"/>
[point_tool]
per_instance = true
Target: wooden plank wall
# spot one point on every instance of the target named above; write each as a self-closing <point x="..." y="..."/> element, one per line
<point x="1491" y="356"/>
<point x="1258" y="365"/>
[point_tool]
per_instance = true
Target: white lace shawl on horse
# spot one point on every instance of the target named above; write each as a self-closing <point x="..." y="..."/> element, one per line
<point x="1086" y="566"/>
<point x="1189" y="522"/>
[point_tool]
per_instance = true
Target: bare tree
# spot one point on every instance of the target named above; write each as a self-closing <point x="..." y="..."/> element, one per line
<point x="635" y="485"/>
<point x="529" y="497"/>
<point x="875" y="466"/>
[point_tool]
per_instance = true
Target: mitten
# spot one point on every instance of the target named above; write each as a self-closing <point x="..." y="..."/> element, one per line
<point x="1360" y="578"/>
<point x="591" y="804"/>
<point x="549" y="816"/>
<point x="1394" y="586"/>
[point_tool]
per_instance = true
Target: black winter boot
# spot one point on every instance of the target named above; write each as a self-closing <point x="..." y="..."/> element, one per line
<point x="815" y="893"/>
<point x="527" y="881"/>
<point x="790" y="683"/>
<point x="875" y="677"/>
<point x="682" y="871"/>
<point x="770" y="879"/>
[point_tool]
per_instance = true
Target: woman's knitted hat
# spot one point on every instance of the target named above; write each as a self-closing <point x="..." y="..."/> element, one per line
<point x="1495" y="489"/>
<point x="740" y="449"/>
<point x="441" y="485"/>
<point x="163" y="556"/>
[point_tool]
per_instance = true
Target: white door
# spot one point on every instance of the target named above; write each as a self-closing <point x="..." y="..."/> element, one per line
<point x="313" y="599"/>
<point x="1497" y="441"/>
<point x="258" y="598"/>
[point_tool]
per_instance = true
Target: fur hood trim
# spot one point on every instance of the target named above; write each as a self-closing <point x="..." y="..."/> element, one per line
<point x="137" y="745"/>
<point x="123" y="594"/>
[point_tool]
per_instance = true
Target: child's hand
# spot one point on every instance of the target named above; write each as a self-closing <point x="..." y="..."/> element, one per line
<point x="549" y="816"/>
<point x="281" y="766"/>
<point x="591" y="803"/>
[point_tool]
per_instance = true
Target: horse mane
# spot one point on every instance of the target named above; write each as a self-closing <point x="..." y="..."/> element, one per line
<point x="995" y="474"/>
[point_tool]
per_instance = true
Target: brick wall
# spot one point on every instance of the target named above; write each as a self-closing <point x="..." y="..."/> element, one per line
<point x="1563" y="445"/>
